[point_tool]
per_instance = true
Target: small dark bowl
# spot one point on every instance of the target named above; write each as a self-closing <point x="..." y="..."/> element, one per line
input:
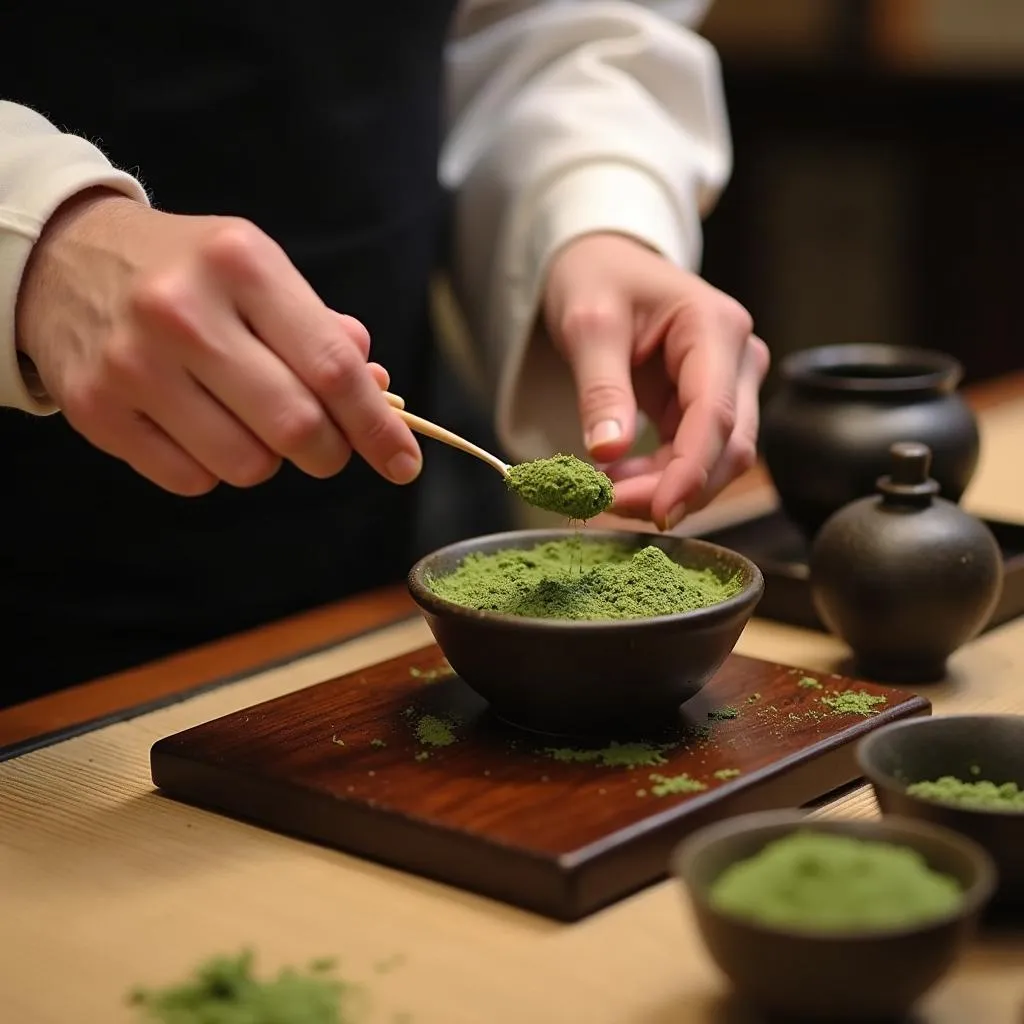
<point x="898" y="755"/>
<point x="588" y="678"/>
<point x="823" y="976"/>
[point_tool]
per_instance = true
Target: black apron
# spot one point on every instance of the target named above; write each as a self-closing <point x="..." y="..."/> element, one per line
<point x="320" y="121"/>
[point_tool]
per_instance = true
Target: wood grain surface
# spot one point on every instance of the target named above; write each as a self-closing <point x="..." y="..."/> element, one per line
<point x="478" y="804"/>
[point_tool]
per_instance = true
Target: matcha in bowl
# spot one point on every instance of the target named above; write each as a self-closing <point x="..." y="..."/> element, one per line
<point x="964" y="772"/>
<point x="836" y="920"/>
<point x="586" y="633"/>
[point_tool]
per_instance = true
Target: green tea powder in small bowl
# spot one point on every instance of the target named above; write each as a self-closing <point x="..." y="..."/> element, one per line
<point x="825" y="882"/>
<point x="563" y="484"/>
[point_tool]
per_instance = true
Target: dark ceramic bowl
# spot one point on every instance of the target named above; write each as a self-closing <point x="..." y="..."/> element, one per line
<point x="965" y="746"/>
<point x="588" y="678"/>
<point x="822" y="976"/>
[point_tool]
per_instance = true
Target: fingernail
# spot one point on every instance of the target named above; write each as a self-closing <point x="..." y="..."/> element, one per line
<point x="403" y="468"/>
<point x="604" y="432"/>
<point x="675" y="516"/>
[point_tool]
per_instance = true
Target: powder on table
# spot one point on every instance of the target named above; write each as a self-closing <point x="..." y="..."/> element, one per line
<point x="671" y="785"/>
<point x="224" y="991"/>
<point x="434" y="731"/>
<point x="724" y="774"/>
<point x="825" y="882"/>
<point x="978" y="796"/>
<point x="723" y="714"/>
<point x="582" y="580"/>
<point x="562" y="484"/>
<point x="808" y="683"/>
<point x="615" y="755"/>
<point x="852" y="702"/>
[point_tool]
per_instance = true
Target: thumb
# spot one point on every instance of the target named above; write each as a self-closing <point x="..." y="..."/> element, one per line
<point x="599" y="343"/>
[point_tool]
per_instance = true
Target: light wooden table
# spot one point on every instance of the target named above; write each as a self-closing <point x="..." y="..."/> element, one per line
<point x="104" y="884"/>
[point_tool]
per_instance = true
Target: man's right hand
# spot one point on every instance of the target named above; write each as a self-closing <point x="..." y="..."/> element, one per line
<point x="192" y="348"/>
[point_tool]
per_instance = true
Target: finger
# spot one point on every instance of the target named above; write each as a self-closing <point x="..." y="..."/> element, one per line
<point x="281" y="416"/>
<point x="380" y="375"/>
<point x="740" y="453"/>
<point x="286" y="314"/>
<point x="193" y="418"/>
<point x="598" y="340"/>
<point x="136" y="440"/>
<point x="678" y="491"/>
<point x="356" y="330"/>
<point x="633" y="497"/>
<point x="640" y="465"/>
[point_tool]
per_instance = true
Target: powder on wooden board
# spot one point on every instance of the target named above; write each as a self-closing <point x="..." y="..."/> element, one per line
<point x="615" y="755"/>
<point x="672" y="785"/>
<point x="978" y="795"/>
<point x="225" y="991"/>
<point x="723" y="714"/>
<point x="836" y="883"/>
<point x="724" y="774"/>
<point x="562" y="484"/>
<point x="581" y="580"/>
<point x="808" y="683"/>
<point x="434" y="731"/>
<point x="852" y="702"/>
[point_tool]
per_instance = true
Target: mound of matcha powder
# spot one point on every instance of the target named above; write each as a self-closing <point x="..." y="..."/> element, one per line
<point x="575" y="579"/>
<point x="826" y="882"/>
<point x="225" y="991"/>
<point x="562" y="484"/>
<point x="977" y="796"/>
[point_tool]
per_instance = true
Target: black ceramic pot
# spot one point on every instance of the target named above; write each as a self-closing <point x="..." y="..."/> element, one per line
<point x="826" y="433"/>
<point x="905" y="578"/>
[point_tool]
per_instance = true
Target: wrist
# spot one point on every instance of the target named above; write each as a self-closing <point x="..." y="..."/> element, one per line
<point x="41" y="282"/>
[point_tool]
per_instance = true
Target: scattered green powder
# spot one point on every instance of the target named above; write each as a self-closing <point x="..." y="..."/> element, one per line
<point x="978" y="796"/>
<point x="809" y="684"/>
<point x="562" y="484"/>
<point x="377" y="743"/>
<point x="753" y="698"/>
<point x="615" y="755"/>
<point x="672" y="785"/>
<point x="723" y="714"/>
<point x="823" y="881"/>
<point x="225" y="991"/>
<point x="433" y="731"/>
<point x="724" y="774"/>
<point x="583" y="580"/>
<point x="335" y="740"/>
<point x="423" y="755"/>
<point x="975" y="770"/>
<point x="641" y="792"/>
<point x="852" y="702"/>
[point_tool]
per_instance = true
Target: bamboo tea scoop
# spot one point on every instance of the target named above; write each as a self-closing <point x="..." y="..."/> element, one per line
<point x="428" y="429"/>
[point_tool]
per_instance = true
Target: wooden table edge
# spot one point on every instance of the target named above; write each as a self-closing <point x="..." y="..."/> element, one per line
<point x="91" y="705"/>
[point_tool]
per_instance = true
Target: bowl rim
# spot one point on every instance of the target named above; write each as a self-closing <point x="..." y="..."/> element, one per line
<point x="886" y="781"/>
<point x="936" y="370"/>
<point x="975" y="896"/>
<point x="747" y="598"/>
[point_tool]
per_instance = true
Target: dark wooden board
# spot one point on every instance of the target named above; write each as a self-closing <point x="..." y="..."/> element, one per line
<point x="340" y="763"/>
<point x="780" y="552"/>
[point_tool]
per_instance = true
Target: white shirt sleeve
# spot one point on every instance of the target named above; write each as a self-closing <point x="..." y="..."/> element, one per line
<point x="566" y="117"/>
<point x="40" y="168"/>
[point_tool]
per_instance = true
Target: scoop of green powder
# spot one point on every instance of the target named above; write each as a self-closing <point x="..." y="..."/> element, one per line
<point x="225" y="991"/>
<point x="979" y="795"/>
<point x="562" y="484"/>
<point x="583" y="580"/>
<point x="826" y="882"/>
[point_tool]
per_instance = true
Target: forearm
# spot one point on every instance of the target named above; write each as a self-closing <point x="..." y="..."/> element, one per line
<point x="41" y="167"/>
<point x="570" y="119"/>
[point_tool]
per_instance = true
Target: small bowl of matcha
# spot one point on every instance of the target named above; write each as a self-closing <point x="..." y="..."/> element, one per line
<point x="965" y="772"/>
<point x="833" y="920"/>
<point x="586" y="633"/>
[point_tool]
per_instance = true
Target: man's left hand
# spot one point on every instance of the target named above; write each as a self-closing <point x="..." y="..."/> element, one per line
<point x="640" y="333"/>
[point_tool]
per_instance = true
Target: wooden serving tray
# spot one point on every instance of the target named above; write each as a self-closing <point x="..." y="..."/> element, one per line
<point x="494" y="811"/>
<point x="780" y="551"/>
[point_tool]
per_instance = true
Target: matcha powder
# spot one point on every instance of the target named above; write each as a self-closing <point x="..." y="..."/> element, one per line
<point x="581" y="580"/>
<point x="826" y="882"/>
<point x="977" y="796"/>
<point x="562" y="484"/>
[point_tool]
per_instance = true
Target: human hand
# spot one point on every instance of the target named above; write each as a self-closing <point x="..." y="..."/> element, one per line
<point x="192" y="349"/>
<point x="639" y="332"/>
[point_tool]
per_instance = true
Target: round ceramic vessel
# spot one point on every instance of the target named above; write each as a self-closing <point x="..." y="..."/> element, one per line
<point x="588" y="679"/>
